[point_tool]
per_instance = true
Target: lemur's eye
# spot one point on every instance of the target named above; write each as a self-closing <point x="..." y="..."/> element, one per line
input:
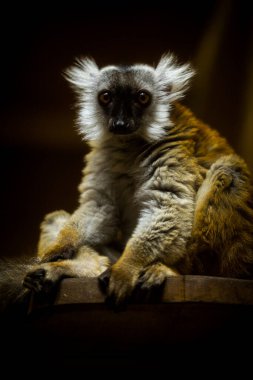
<point x="143" y="98"/>
<point x="104" y="98"/>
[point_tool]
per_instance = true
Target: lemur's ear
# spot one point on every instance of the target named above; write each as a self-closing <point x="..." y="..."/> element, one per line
<point x="83" y="74"/>
<point x="173" y="78"/>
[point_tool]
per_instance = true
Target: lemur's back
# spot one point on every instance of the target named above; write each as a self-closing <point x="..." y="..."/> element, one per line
<point x="209" y="145"/>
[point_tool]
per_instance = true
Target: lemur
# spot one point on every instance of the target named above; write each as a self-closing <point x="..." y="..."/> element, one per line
<point x="159" y="184"/>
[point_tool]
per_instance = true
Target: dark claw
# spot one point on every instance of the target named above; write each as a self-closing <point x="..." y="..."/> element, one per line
<point x="31" y="285"/>
<point x="104" y="279"/>
<point x="37" y="274"/>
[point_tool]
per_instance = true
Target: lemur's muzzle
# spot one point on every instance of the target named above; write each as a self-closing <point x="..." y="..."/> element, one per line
<point x="121" y="127"/>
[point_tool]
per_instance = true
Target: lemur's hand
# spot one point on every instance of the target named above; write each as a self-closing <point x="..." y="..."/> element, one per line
<point x="124" y="281"/>
<point x="119" y="281"/>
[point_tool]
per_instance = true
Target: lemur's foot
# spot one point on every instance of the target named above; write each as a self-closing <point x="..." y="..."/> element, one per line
<point x="36" y="281"/>
<point x="43" y="278"/>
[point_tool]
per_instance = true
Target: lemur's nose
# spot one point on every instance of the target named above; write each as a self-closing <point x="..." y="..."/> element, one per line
<point x="120" y="124"/>
<point x="121" y="127"/>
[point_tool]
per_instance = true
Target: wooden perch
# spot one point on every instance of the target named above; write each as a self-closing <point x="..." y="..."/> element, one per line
<point x="217" y="290"/>
<point x="79" y="330"/>
<point x="191" y="308"/>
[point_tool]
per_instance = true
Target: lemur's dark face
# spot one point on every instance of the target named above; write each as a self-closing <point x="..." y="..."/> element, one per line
<point x="127" y="100"/>
<point x="125" y="97"/>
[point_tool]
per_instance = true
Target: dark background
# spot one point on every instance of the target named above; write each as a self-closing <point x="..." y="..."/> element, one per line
<point x="41" y="152"/>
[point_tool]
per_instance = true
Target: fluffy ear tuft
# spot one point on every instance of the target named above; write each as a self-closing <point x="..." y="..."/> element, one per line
<point x="173" y="78"/>
<point x="82" y="74"/>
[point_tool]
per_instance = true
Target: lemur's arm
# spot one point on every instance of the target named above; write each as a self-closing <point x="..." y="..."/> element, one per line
<point x="157" y="247"/>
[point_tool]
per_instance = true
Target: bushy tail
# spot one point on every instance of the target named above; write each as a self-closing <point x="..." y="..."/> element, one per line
<point x="14" y="297"/>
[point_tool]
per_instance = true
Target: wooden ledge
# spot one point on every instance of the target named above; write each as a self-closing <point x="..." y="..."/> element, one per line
<point x="190" y="309"/>
<point x="177" y="289"/>
<point x="78" y="329"/>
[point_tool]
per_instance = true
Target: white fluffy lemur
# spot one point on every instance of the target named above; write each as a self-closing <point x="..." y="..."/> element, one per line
<point x="161" y="186"/>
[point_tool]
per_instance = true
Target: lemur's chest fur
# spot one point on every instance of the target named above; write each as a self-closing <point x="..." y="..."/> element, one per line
<point x="138" y="176"/>
<point x="123" y="173"/>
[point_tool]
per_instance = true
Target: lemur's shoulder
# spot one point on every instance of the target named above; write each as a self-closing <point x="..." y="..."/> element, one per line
<point x="208" y="140"/>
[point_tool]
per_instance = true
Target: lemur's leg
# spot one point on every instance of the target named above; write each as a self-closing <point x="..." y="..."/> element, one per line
<point x="86" y="262"/>
<point x="222" y="236"/>
<point x="50" y="228"/>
